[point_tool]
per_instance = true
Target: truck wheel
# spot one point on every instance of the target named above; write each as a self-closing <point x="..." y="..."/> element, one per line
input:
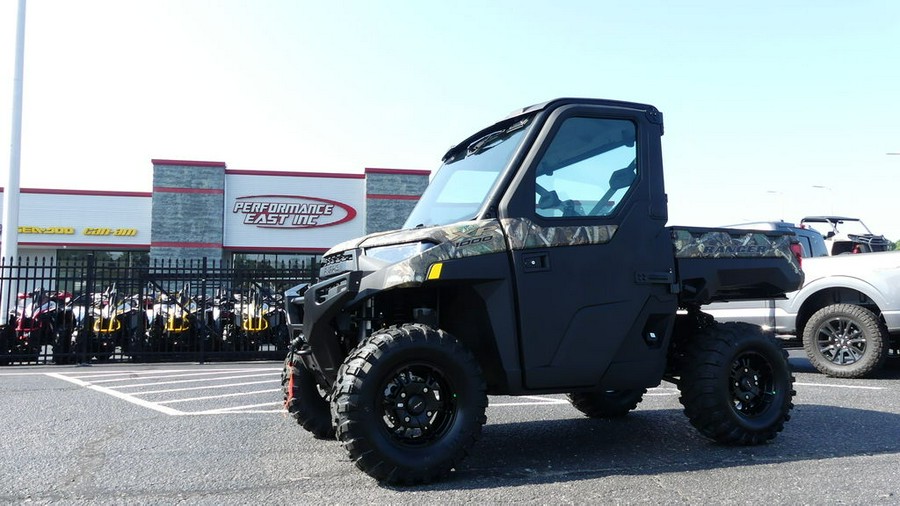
<point x="608" y="403"/>
<point x="736" y="387"/>
<point x="305" y="400"/>
<point x="845" y="341"/>
<point x="409" y="404"/>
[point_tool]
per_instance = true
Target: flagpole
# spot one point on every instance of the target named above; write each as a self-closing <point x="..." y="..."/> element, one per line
<point x="10" y="231"/>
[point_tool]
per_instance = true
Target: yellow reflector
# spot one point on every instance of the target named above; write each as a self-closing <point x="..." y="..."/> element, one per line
<point x="434" y="272"/>
<point x="255" y="324"/>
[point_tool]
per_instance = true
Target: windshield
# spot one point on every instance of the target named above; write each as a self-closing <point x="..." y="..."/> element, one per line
<point x="464" y="180"/>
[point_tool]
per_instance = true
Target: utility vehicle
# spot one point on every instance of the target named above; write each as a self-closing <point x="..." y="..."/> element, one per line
<point x="846" y="235"/>
<point x="537" y="261"/>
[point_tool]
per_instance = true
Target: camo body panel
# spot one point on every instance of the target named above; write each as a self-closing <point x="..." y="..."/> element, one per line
<point x="525" y="234"/>
<point x="699" y="243"/>
<point x="476" y="238"/>
<point x="461" y="240"/>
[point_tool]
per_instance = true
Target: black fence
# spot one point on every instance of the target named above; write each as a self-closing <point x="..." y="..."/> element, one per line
<point x="79" y="311"/>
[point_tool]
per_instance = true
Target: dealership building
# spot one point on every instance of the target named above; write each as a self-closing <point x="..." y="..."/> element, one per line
<point x="200" y="209"/>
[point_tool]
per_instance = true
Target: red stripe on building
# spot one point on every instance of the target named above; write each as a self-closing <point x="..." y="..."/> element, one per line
<point x="382" y="196"/>
<point x="408" y="172"/>
<point x="82" y="245"/>
<point x="259" y="249"/>
<point x="208" y="191"/>
<point x="185" y="245"/>
<point x="337" y="175"/>
<point x="187" y="163"/>
<point x="92" y="193"/>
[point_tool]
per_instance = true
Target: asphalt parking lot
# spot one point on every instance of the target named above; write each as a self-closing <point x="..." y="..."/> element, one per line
<point x="217" y="434"/>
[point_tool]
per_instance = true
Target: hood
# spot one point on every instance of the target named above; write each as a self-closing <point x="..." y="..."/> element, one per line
<point x="437" y="235"/>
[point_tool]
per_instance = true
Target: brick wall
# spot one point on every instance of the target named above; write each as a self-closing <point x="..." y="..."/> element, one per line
<point x="188" y="199"/>
<point x="391" y="195"/>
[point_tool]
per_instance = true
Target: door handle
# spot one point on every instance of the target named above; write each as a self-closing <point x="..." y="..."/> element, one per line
<point x="536" y="262"/>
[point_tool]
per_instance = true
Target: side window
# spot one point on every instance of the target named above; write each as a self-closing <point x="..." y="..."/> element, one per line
<point x="818" y="248"/>
<point x="806" y="246"/>
<point x="588" y="168"/>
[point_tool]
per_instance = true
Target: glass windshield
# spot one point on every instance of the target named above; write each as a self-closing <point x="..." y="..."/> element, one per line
<point x="461" y="184"/>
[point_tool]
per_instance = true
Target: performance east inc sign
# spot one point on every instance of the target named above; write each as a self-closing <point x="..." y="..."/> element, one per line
<point x="291" y="211"/>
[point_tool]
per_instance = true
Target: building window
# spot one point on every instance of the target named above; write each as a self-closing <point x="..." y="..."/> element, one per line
<point x="280" y="261"/>
<point x="106" y="258"/>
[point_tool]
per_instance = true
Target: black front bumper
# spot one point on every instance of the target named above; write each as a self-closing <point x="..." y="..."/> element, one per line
<point x="322" y="353"/>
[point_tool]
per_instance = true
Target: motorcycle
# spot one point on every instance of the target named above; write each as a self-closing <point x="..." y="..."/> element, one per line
<point x="220" y="320"/>
<point x="108" y="323"/>
<point x="173" y="323"/>
<point x="258" y="319"/>
<point x="42" y="317"/>
<point x="280" y="335"/>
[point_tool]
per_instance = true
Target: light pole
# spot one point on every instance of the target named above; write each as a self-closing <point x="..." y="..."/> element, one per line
<point x="9" y="234"/>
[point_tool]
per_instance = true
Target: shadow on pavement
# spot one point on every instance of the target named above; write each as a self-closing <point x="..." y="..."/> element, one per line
<point x="655" y="442"/>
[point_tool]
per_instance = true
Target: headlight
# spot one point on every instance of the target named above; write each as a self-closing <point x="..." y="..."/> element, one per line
<point x="398" y="252"/>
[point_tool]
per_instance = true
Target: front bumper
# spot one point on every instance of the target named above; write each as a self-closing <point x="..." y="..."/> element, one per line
<point x="323" y="301"/>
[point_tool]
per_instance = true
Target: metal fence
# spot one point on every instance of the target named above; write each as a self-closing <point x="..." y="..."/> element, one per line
<point x="80" y="311"/>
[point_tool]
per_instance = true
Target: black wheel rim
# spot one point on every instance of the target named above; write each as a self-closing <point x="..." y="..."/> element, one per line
<point x="841" y="341"/>
<point x="753" y="387"/>
<point x="418" y="404"/>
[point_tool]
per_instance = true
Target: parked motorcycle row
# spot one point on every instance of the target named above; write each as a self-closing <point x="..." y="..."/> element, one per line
<point x="141" y="327"/>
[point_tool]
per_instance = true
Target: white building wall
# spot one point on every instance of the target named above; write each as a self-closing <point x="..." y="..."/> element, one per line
<point x="51" y="219"/>
<point x="290" y="211"/>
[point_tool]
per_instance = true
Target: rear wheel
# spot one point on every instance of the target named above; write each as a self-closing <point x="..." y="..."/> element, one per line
<point x="845" y="341"/>
<point x="736" y="386"/>
<point x="409" y="404"/>
<point x="62" y="348"/>
<point x="304" y="399"/>
<point x="608" y="403"/>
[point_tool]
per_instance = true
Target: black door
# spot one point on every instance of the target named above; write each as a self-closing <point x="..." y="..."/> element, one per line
<point x="592" y="257"/>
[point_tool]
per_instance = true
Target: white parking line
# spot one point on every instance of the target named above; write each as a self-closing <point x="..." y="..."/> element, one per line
<point x="227" y="376"/>
<point x="160" y="407"/>
<point x="204" y="387"/>
<point x="235" y="410"/>
<point x="134" y="376"/>
<point x="195" y="380"/>
<point x="125" y="397"/>
<point x="537" y="401"/>
<point x="223" y="396"/>
<point x="831" y="385"/>
<point x="158" y="373"/>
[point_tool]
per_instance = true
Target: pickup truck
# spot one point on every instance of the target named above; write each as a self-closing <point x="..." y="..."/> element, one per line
<point x="846" y="315"/>
<point x="537" y="261"/>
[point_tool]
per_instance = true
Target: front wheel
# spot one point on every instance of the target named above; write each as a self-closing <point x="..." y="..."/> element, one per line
<point x="304" y="399"/>
<point x="845" y="341"/>
<point x="736" y="384"/>
<point x="409" y="404"/>
<point x="62" y="348"/>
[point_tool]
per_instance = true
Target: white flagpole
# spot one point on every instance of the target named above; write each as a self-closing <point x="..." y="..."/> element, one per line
<point x="10" y="232"/>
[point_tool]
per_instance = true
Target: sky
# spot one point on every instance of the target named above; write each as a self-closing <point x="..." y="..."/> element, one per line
<point x="773" y="110"/>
